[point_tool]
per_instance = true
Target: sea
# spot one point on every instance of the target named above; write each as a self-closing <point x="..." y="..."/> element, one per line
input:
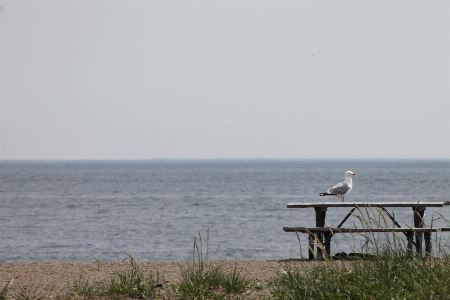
<point x="172" y="210"/>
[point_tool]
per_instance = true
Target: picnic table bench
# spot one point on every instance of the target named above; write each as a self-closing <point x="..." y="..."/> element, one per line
<point x="323" y="234"/>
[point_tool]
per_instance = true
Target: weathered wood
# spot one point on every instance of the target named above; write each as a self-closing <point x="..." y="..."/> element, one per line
<point x="320" y="222"/>
<point x="428" y="245"/>
<point x="409" y="237"/>
<point x="368" y="204"/>
<point x="357" y="230"/>
<point x="311" y="245"/>
<point x="327" y="237"/>
<point x="419" y="213"/>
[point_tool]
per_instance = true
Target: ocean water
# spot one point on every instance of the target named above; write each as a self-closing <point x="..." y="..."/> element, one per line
<point x="74" y="210"/>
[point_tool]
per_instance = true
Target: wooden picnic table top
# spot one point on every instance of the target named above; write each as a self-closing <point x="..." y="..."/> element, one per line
<point x="369" y="204"/>
<point x="356" y="230"/>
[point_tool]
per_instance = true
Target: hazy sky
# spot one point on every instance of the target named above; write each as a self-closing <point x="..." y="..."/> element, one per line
<point x="224" y="79"/>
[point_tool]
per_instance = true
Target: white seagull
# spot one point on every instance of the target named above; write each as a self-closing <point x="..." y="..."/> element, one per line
<point x="341" y="189"/>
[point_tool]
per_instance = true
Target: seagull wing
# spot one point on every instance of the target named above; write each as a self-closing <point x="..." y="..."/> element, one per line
<point x="339" y="189"/>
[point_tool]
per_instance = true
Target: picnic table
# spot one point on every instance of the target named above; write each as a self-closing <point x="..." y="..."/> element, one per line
<point x="322" y="234"/>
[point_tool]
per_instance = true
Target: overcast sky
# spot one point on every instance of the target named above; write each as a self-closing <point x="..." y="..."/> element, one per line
<point x="224" y="79"/>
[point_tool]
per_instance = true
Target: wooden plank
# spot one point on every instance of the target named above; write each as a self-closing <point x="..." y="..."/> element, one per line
<point x="356" y="230"/>
<point x="368" y="204"/>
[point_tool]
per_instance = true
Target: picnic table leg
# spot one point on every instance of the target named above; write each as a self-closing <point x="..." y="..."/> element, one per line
<point x="320" y="222"/>
<point x="327" y="237"/>
<point x="409" y="236"/>
<point x="428" y="245"/>
<point x="418" y="223"/>
<point x="311" y="245"/>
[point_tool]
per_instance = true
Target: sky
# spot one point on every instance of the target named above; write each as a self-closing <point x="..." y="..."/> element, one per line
<point x="224" y="79"/>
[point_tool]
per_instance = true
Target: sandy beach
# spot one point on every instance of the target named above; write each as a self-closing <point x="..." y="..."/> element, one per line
<point x="50" y="279"/>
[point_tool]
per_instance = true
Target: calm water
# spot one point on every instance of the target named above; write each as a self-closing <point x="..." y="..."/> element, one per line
<point x="66" y="211"/>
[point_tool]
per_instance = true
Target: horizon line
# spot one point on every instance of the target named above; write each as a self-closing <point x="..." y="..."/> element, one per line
<point x="212" y="159"/>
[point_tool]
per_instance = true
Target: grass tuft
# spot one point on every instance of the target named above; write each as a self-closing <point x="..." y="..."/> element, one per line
<point x="134" y="283"/>
<point x="202" y="279"/>
<point x="5" y="290"/>
<point x="25" y="293"/>
<point x="85" y="288"/>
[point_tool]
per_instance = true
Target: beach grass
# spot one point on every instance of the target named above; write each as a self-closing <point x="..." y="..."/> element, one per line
<point x="28" y="293"/>
<point x="4" y="291"/>
<point x="204" y="280"/>
<point x="134" y="283"/>
<point x="200" y="279"/>
<point x="389" y="275"/>
<point x="130" y="284"/>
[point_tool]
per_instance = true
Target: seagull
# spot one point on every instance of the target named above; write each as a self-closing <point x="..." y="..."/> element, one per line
<point x="341" y="189"/>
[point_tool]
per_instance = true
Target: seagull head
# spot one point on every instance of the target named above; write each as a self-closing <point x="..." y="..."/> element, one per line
<point x="349" y="174"/>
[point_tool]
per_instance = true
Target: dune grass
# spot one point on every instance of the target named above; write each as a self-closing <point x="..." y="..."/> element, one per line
<point x="389" y="275"/>
<point x="4" y="291"/>
<point x="134" y="283"/>
<point x="203" y="280"/>
<point x="131" y="284"/>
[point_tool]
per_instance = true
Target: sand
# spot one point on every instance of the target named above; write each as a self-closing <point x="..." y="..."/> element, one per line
<point x="49" y="279"/>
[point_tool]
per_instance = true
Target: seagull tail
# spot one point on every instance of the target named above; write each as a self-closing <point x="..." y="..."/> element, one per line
<point x="326" y="194"/>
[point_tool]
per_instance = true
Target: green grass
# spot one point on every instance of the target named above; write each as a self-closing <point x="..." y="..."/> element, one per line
<point x="201" y="279"/>
<point x="4" y="291"/>
<point x="26" y="293"/>
<point x="391" y="275"/>
<point x="204" y="280"/>
<point x="132" y="284"/>
<point x="84" y="288"/>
